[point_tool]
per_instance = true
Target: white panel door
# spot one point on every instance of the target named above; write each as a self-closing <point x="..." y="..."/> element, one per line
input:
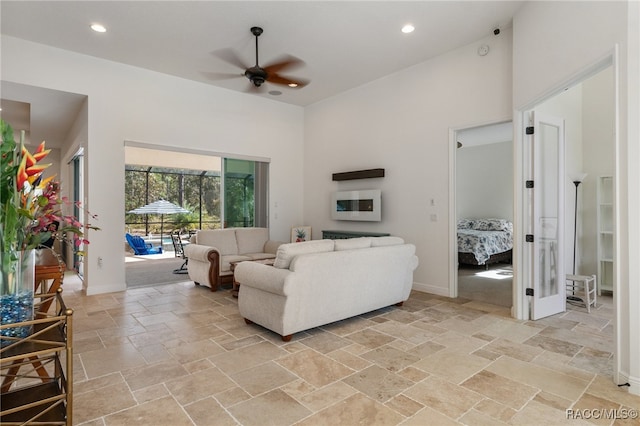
<point x="546" y="251"/>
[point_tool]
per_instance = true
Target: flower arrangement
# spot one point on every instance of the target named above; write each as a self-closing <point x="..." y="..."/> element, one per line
<point x="31" y="207"/>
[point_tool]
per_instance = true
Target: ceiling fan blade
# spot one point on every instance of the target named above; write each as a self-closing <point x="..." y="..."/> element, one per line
<point x="221" y="75"/>
<point x="286" y="81"/>
<point x="229" y="56"/>
<point x="284" y="62"/>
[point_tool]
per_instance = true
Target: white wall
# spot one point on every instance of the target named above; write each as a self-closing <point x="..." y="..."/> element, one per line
<point x="550" y="49"/>
<point x="598" y="156"/>
<point x="484" y="181"/>
<point x="401" y="123"/>
<point x="128" y="103"/>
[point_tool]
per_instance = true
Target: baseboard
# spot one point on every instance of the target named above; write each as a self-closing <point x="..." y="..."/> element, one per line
<point x="426" y="288"/>
<point x="634" y="382"/>
<point x="111" y="288"/>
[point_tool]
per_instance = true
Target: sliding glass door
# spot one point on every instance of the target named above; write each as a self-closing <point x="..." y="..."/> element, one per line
<point x="245" y="193"/>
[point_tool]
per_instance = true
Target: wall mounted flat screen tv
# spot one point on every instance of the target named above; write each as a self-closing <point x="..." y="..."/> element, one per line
<point x="364" y="205"/>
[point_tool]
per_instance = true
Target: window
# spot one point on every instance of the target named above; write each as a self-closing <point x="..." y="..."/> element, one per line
<point x="229" y="193"/>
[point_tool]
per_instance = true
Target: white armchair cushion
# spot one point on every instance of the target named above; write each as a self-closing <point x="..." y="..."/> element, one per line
<point x="286" y="252"/>
<point x="352" y="243"/>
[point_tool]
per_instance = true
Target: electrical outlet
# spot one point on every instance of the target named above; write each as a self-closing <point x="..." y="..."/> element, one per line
<point x="100" y="262"/>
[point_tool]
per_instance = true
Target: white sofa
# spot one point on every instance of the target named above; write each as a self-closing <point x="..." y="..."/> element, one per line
<point x="210" y="252"/>
<point x="321" y="281"/>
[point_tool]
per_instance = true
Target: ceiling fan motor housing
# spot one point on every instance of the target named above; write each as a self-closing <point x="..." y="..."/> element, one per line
<point x="256" y="75"/>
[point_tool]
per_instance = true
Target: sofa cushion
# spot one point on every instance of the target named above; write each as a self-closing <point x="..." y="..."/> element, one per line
<point x="286" y="252"/>
<point x="352" y="243"/>
<point x="225" y="266"/>
<point x="386" y="241"/>
<point x="251" y="240"/>
<point x="222" y="239"/>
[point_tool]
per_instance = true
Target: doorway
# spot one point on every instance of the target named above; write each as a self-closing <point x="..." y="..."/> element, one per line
<point x="484" y="213"/>
<point x="587" y="107"/>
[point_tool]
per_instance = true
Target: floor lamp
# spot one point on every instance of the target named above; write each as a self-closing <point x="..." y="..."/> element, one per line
<point x="577" y="180"/>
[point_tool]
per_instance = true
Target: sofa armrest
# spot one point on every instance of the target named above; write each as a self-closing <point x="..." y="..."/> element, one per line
<point x="199" y="252"/>
<point x="271" y="246"/>
<point x="263" y="277"/>
<point x="203" y="265"/>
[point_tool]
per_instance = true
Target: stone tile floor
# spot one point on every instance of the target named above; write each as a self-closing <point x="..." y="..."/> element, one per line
<point x="178" y="354"/>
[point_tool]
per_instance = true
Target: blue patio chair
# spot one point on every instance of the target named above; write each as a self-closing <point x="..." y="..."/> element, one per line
<point x="140" y="246"/>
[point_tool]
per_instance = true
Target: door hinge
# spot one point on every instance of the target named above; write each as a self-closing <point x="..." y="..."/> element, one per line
<point x="529" y="238"/>
<point x="528" y="292"/>
<point x="529" y="184"/>
<point x="529" y="130"/>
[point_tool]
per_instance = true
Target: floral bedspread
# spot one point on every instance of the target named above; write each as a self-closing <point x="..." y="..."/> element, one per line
<point x="484" y="243"/>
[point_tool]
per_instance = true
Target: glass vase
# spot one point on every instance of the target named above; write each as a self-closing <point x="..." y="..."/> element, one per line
<point x="16" y="294"/>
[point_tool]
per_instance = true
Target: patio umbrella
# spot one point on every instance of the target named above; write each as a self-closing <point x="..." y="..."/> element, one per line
<point x="160" y="207"/>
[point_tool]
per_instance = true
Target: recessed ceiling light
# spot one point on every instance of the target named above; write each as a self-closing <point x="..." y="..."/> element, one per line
<point x="293" y="84"/>
<point x="408" y="29"/>
<point x="99" y="28"/>
<point x="275" y="92"/>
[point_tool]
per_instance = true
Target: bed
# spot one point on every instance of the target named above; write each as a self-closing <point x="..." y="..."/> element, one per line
<point x="484" y="241"/>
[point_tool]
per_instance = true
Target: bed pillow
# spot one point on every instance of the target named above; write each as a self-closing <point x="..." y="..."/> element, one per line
<point x="492" y="225"/>
<point x="465" y="223"/>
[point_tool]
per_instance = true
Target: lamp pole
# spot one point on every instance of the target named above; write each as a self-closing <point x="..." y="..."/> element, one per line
<point x="577" y="180"/>
<point x="575" y="225"/>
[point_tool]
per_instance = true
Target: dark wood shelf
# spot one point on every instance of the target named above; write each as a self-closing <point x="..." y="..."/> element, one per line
<point x="38" y="356"/>
<point x="359" y="174"/>
<point x="50" y="341"/>
<point x="340" y="235"/>
<point x="45" y="403"/>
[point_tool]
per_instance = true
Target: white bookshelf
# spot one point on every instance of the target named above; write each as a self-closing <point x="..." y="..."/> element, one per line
<point x="605" y="233"/>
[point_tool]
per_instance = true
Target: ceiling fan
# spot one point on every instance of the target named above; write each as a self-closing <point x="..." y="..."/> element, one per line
<point x="258" y="75"/>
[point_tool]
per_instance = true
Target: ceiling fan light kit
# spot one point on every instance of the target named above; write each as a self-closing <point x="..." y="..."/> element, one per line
<point x="258" y="75"/>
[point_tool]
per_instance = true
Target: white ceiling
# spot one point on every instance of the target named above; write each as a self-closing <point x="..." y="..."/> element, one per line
<point x="344" y="44"/>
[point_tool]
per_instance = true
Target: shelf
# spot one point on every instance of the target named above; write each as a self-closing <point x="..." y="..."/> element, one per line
<point x="340" y="235"/>
<point x="38" y="357"/>
<point x="606" y="234"/>
<point x="40" y="403"/>
<point x="48" y="337"/>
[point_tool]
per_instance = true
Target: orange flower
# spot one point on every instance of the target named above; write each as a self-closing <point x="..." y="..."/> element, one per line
<point x="36" y="168"/>
<point x="41" y="152"/>
<point x="29" y="170"/>
<point x="22" y="173"/>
